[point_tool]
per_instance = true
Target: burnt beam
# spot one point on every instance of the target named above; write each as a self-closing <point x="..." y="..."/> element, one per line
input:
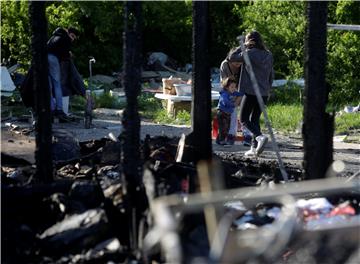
<point x="43" y="153"/>
<point x="318" y="125"/>
<point x="201" y="92"/>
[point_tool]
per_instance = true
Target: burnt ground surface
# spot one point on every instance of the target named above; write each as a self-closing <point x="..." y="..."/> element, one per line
<point x="84" y="214"/>
<point x="18" y="140"/>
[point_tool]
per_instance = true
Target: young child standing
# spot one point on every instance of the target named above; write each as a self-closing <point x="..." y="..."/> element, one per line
<point x="229" y="98"/>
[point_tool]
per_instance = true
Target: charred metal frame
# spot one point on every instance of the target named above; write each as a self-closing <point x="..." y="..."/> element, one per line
<point x="318" y="125"/>
<point x="131" y="158"/>
<point x="132" y="84"/>
<point x="201" y="102"/>
<point x="43" y="129"/>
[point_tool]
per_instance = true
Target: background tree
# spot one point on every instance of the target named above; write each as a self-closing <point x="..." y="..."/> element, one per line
<point x="224" y="28"/>
<point x="282" y="25"/>
<point x="101" y="31"/>
<point x="343" y="71"/>
<point x="167" y="28"/>
<point x="15" y="32"/>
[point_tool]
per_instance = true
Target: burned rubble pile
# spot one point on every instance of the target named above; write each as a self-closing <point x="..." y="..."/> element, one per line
<point x="81" y="217"/>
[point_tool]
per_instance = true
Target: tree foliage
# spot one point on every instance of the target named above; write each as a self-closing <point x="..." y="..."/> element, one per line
<point x="101" y="27"/>
<point x="224" y="28"/>
<point x="15" y="28"/>
<point x="282" y="25"/>
<point x="167" y="28"/>
<point x="343" y="71"/>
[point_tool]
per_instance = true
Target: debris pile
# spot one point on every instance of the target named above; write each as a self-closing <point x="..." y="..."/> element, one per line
<point x="83" y="216"/>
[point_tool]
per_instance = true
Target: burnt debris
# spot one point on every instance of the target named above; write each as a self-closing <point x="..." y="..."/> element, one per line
<point x="82" y="216"/>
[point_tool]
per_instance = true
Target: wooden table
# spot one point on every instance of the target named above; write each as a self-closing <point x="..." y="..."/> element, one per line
<point x="176" y="103"/>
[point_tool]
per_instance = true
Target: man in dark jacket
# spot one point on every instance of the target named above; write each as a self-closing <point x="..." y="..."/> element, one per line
<point x="59" y="48"/>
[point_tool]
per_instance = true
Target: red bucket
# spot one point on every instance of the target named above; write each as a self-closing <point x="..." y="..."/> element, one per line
<point x="215" y="128"/>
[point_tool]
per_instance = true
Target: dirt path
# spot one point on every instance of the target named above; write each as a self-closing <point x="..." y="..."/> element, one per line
<point x="291" y="152"/>
<point x="23" y="146"/>
<point x="290" y="146"/>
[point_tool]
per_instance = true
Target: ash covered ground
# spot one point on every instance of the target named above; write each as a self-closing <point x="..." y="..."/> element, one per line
<point x="80" y="218"/>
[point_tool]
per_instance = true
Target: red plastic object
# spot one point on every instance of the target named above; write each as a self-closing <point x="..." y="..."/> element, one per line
<point x="239" y="137"/>
<point x="215" y="128"/>
<point x="342" y="210"/>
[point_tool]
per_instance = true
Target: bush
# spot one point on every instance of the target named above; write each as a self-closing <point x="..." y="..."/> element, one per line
<point x="346" y="122"/>
<point x="287" y="94"/>
<point x="343" y="68"/>
<point x="105" y="100"/>
<point x="183" y="118"/>
<point x="282" y="24"/>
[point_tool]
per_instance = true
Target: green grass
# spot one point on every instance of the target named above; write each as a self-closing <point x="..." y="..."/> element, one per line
<point x="153" y="109"/>
<point x="77" y="104"/>
<point x="149" y="106"/>
<point x="182" y="118"/>
<point x="285" y="118"/>
<point x="105" y="100"/>
<point x="161" y="117"/>
<point x="347" y="122"/>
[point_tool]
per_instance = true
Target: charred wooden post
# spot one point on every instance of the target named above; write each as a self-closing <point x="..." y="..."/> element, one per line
<point x="131" y="119"/>
<point x="201" y="103"/>
<point x="43" y="153"/>
<point x="132" y="84"/>
<point x="318" y="125"/>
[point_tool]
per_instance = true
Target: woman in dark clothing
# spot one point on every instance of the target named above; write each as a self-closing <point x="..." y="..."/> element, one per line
<point x="230" y="67"/>
<point x="262" y="63"/>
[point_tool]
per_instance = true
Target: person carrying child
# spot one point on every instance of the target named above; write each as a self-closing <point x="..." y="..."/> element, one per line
<point x="229" y="98"/>
<point x="231" y="67"/>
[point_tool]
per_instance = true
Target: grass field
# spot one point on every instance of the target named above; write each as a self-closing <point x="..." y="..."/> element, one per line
<point x="285" y="118"/>
<point x="347" y="122"/>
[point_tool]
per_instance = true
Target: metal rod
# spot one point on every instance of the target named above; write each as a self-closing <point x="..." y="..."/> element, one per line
<point x="356" y="174"/>
<point x="88" y="96"/>
<point x="253" y="195"/>
<point x="343" y="27"/>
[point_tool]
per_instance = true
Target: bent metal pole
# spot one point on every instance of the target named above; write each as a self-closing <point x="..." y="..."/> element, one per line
<point x="263" y="109"/>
